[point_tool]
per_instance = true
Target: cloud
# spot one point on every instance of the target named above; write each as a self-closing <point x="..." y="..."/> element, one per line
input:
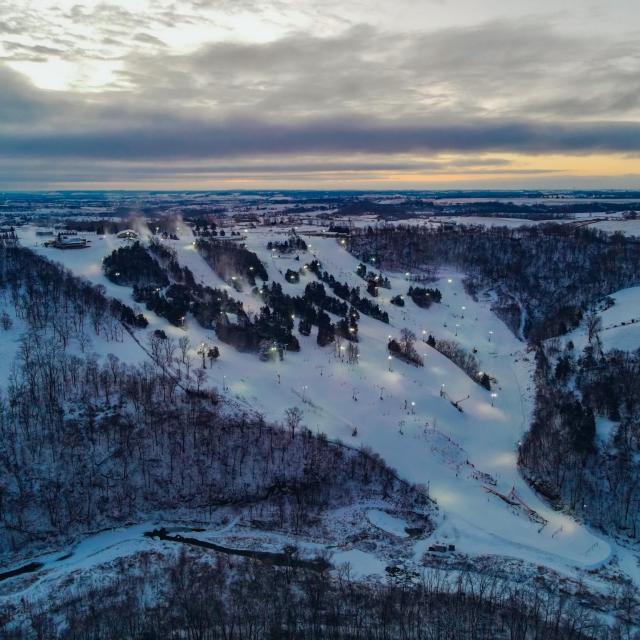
<point x="361" y="97"/>
<point x="494" y="69"/>
<point x="130" y="136"/>
<point x="147" y="38"/>
<point x="22" y="104"/>
<point x="42" y="173"/>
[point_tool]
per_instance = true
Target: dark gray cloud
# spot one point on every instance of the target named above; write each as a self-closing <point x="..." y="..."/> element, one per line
<point x="21" y="104"/>
<point x="177" y="139"/>
<point x="121" y="170"/>
<point x="42" y="173"/>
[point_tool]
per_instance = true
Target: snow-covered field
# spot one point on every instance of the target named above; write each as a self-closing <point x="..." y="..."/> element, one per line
<point x="466" y="459"/>
<point x="612" y="224"/>
<point x="626" y="227"/>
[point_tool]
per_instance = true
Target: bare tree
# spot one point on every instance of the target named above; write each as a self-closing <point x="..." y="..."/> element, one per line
<point x="5" y="321"/>
<point x="293" y="418"/>
<point x="594" y="325"/>
<point x="407" y="340"/>
<point x="201" y="375"/>
<point x="184" y="344"/>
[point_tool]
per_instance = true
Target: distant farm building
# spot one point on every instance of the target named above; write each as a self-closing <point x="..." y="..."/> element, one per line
<point x="246" y="217"/>
<point x="68" y="242"/>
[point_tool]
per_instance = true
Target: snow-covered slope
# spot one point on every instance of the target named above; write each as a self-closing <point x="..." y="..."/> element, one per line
<point x="466" y="459"/>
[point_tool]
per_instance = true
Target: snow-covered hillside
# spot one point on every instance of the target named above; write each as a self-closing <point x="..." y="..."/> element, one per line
<point x="466" y="459"/>
<point x="620" y="323"/>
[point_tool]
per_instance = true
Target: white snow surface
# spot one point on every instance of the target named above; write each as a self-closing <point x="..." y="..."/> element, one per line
<point x="361" y="563"/>
<point x="388" y="523"/>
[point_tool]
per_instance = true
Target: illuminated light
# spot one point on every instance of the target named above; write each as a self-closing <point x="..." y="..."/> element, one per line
<point x="449" y="280"/>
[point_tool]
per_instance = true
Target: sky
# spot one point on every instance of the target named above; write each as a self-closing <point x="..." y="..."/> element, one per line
<point x="286" y="94"/>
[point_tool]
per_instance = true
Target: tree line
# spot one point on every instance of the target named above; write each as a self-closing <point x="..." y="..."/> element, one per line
<point x="193" y="596"/>
<point x="545" y="276"/>
<point x="47" y="297"/>
<point x="596" y="478"/>
<point x="232" y="262"/>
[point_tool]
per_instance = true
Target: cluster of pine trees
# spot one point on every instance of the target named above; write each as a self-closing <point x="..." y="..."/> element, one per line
<point x="294" y="243"/>
<point x="425" y="296"/>
<point x="347" y="293"/>
<point x="311" y="309"/>
<point x="132" y="265"/>
<point x="372" y="278"/>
